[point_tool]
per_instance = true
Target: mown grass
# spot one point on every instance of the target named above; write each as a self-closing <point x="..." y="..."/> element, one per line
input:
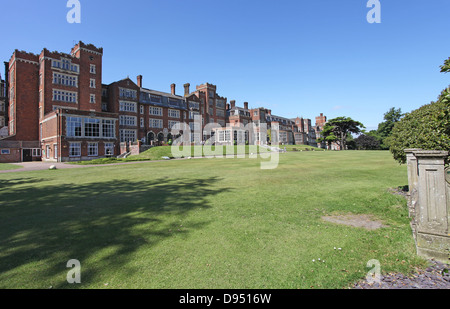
<point x="207" y="223"/>
<point x="6" y="166"/>
<point x="159" y="153"/>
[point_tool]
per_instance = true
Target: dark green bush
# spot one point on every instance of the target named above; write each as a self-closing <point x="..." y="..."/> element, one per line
<point x="427" y="128"/>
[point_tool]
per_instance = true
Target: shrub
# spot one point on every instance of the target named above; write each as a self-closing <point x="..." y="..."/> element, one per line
<point x="427" y="128"/>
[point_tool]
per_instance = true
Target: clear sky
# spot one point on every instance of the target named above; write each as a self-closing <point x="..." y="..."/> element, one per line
<point x="296" y="57"/>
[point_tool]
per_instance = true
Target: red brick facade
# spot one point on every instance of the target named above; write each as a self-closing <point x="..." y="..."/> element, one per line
<point x="60" y="109"/>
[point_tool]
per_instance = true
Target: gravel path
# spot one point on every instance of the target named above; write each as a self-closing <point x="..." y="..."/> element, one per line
<point x="437" y="276"/>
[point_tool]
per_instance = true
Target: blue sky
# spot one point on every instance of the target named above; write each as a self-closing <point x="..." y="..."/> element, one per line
<point x="296" y="57"/>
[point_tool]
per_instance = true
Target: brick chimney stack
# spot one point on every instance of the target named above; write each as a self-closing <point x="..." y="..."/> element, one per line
<point x="245" y="105"/>
<point x="139" y="81"/>
<point x="233" y="104"/>
<point x="172" y="88"/>
<point x="186" y="89"/>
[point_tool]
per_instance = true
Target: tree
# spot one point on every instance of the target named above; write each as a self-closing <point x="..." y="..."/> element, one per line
<point x="385" y="128"/>
<point x="445" y="68"/>
<point x="337" y="130"/>
<point x="427" y="127"/>
<point x="367" y="142"/>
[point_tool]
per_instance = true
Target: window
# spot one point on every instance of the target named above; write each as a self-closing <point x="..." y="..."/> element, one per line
<point x="2" y="121"/>
<point x="64" y="79"/>
<point x="65" y="64"/>
<point x="109" y="149"/>
<point x="127" y="107"/>
<point x="173" y="113"/>
<point x="174" y="102"/>
<point x="155" y="111"/>
<point x="155" y="98"/>
<point x="127" y="136"/>
<point x="127" y="93"/>
<point x="141" y="109"/>
<point x="220" y="113"/>
<point x="156" y="123"/>
<point x="92" y="83"/>
<point x="64" y="96"/>
<point x="193" y="114"/>
<point x="109" y="128"/>
<point x="283" y="137"/>
<point x="172" y="124"/>
<point x="142" y="122"/>
<point x="92" y="149"/>
<point x="92" y="99"/>
<point x="194" y="105"/>
<point x="104" y="92"/>
<point x="91" y="127"/>
<point x="127" y="121"/>
<point x="55" y="151"/>
<point x="92" y="69"/>
<point x="2" y="106"/>
<point x="36" y="152"/>
<point x="73" y="126"/>
<point x="220" y="103"/>
<point x="5" y="152"/>
<point x="75" y="150"/>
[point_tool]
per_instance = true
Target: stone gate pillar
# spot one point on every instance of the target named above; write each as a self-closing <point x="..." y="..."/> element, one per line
<point x="413" y="180"/>
<point x="432" y="209"/>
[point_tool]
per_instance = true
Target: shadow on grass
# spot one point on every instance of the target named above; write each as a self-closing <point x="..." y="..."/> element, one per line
<point x="100" y="224"/>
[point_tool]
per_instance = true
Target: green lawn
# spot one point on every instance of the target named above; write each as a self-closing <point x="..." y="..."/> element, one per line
<point x="158" y="153"/>
<point x="6" y="166"/>
<point x="206" y="223"/>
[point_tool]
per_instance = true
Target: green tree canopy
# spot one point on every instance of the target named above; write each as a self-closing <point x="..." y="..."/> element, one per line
<point x="445" y="68"/>
<point x="337" y="129"/>
<point x="367" y="142"/>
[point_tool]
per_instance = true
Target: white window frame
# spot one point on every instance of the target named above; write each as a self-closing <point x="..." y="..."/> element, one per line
<point x="92" y="83"/>
<point x="55" y="151"/>
<point x="125" y="106"/>
<point x="127" y="135"/>
<point x="92" y="146"/>
<point x="109" y="146"/>
<point x="155" y="111"/>
<point x="155" y="123"/>
<point x="64" y="96"/>
<point x="174" y="113"/>
<point x="36" y="152"/>
<point x="125" y="120"/>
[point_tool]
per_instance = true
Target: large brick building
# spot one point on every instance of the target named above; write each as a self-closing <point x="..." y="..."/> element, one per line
<point x="4" y="103"/>
<point x="54" y="107"/>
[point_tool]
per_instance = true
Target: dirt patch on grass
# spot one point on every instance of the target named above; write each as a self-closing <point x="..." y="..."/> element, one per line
<point x="363" y="221"/>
